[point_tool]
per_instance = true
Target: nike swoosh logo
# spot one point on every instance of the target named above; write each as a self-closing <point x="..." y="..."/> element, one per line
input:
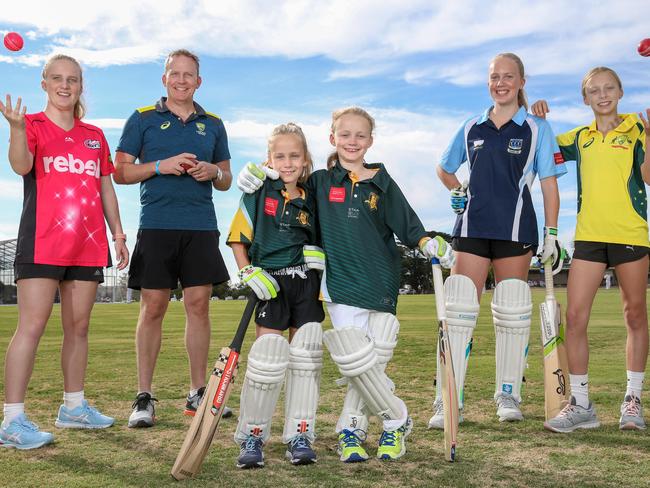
<point x="584" y="384"/>
<point x="526" y="246"/>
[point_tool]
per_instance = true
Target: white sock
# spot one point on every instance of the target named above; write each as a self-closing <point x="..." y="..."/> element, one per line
<point x="73" y="400"/>
<point x="580" y="389"/>
<point x="634" y="383"/>
<point x="11" y="411"/>
<point x="193" y="392"/>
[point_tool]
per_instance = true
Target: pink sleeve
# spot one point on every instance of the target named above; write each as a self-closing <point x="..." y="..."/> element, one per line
<point x="31" y="135"/>
<point x="106" y="164"/>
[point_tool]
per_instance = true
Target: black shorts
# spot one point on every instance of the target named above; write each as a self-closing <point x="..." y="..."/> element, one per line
<point x="610" y="254"/>
<point x="60" y="273"/>
<point x="297" y="302"/>
<point x="491" y="248"/>
<point x="162" y="258"/>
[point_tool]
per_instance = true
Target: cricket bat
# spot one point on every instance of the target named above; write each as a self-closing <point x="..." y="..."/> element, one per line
<point x="556" y="366"/>
<point x="206" y="420"/>
<point x="448" y="387"/>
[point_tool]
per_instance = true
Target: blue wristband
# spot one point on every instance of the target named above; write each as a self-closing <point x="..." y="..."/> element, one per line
<point x="158" y="167"/>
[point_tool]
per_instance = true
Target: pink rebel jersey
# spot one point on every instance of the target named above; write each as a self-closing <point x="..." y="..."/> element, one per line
<point x="62" y="222"/>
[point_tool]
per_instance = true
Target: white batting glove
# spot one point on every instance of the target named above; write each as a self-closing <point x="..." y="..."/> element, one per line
<point x="314" y="257"/>
<point x="252" y="176"/>
<point x="552" y="251"/>
<point x="258" y="280"/>
<point x="440" y="249"/>
<point x="459" y="198"/>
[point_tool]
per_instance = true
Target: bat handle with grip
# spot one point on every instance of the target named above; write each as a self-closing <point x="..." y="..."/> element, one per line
<point x="438" y="288"/>
<point x="548" y="278"/>
<point x="243" y="323"/>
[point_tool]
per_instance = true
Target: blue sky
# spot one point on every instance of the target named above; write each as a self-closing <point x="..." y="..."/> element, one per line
<point x="419" y="67"/>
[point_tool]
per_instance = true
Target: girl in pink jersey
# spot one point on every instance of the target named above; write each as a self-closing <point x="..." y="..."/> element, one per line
<point x="62" y="245"/>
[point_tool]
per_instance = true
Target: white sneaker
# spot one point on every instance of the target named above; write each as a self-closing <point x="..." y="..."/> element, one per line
<point x="573" y="417"/>
<point x="508" y="408"/>
<point x="632" y="414"/>
<point x="438" y="419"/>
<point x="144" y="414"/>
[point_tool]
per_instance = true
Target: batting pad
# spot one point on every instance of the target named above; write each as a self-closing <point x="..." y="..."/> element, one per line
<point x="303" y="382"/>
<point x="383" y="328"/>
<point x="267" y="365"/>
<point x="462" y="313"/>
<point x="512" y="307"/>
<point x="354" y="354"/>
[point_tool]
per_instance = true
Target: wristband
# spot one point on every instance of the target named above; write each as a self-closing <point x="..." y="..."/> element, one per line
<point x="219" y="174"/>
<point x="119" y="236"/>
<point x="158" y="167"/>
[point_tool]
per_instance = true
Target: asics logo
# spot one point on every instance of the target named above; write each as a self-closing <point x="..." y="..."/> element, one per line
<point x="61" y="164"/>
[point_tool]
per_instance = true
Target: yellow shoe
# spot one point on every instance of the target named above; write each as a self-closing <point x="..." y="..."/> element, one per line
<point x="350" y="448"/>
<point x="392" y="444"/>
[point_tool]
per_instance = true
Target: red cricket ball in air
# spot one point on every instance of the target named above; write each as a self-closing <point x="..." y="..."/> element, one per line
<point x="644" y="47"/>
<point x="13" y="41"/>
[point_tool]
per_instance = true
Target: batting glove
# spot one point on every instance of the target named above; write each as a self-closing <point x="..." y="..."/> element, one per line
<point x="314" y="257"/>
<point x="459" y="198"/>
<point x="552" y="251"/>
<point x="258" y="280"/>
<point x="252" y="176"/>
<point x="440" y="249"/>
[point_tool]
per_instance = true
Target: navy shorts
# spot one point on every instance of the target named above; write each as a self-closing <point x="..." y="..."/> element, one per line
<point x="163" y="258"/>
<point x="491" y="248"/>
<point x="60" y="273"/>
<point x="297" y="302"/>
<point x="607" y="253"/>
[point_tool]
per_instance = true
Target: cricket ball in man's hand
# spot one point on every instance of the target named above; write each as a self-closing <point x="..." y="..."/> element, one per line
<point x="13" y="41"/>
<point x="644" y="47"/>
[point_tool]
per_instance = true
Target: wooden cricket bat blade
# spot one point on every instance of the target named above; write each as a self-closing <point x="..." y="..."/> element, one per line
<point x="449" y="396"/>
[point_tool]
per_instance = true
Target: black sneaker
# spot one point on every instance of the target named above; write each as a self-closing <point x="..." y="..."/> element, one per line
<point x="299" y="451"/>
<point x="144" y="414"/>
<point x="250" y="453"/>
<point x="193" y="402"/>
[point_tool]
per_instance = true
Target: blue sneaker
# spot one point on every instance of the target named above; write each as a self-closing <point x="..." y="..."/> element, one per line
<point x="83" y="417"/>
<point x="250" y="453"/>
<point x="23" y="434"/>
<point x="299" y="451"/>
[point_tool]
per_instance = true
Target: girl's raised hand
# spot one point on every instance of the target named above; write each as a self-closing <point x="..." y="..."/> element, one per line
<point x="646" y="121"/>
<point x="15" y="116"/>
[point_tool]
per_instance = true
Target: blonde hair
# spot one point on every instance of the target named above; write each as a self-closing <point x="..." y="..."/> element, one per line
<point x="79" y="109"/>
<point x="291" y="129"/>
<point x="182" y="52"/>
<point x="595" y="71"/>
<point x="522" y="101"/>
<point x="336" y="116"/>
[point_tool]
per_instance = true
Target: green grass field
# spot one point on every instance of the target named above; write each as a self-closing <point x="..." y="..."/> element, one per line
<point x="490" y="453"/>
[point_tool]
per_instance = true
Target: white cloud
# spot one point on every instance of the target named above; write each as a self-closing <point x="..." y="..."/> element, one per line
<point x="11" y="189"/>
<point x="107" y="124"/>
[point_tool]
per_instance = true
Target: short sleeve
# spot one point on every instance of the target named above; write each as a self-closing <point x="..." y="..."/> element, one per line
<point x="131" y="138"/>
<point x="456" y="153"/>
<point x="30" y="132"/>
<point x="221" y="151"/>
<point x="106" y="166"/>
<point x="548" y="157"/>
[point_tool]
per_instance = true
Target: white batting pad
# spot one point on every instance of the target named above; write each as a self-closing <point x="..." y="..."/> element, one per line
<point x="512" y="307"/>
<point x="267" y="365"/>
<point x="462" y="314"/>
<point x="303" y="382"/>
<point x="354" y="354"/>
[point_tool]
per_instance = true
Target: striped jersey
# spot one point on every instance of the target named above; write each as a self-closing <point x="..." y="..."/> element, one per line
<point x="503" y="164"/>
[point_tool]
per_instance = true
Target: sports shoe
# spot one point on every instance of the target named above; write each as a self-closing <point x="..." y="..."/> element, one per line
<point x="632" y="414"/>
<point x="250" y="453"/>
<point x="193" y="402"/>
<point x="438" y="419"/>
<point x="299" y="451"/>
<point x="573" y="417"/>
<point x="82" y="417"/>
<point x="350" y="448"/>
<point x="144" y="413"/>
<point x="392" y="444"/>
<point x="508" y="408"/>
<point x="23" y="434"/>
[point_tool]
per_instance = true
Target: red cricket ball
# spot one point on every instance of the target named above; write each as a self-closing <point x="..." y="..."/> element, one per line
<point x="13" y="41"/>
<point x="644" y="47"/>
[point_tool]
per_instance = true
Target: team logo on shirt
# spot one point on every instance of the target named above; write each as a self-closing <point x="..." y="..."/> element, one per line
<point x="92" y="144"/>
<point x="165" y="125"/>
<point x="270" y="206"/>
<point x="372" y="201"/>
<point x="478" y="143"/>
<point x="515" y="145"/>
<point x="200" y="128"/>
<point x="621" y="142"/>
<point x="69" y="139"/>
<point x="303" y="218"/>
